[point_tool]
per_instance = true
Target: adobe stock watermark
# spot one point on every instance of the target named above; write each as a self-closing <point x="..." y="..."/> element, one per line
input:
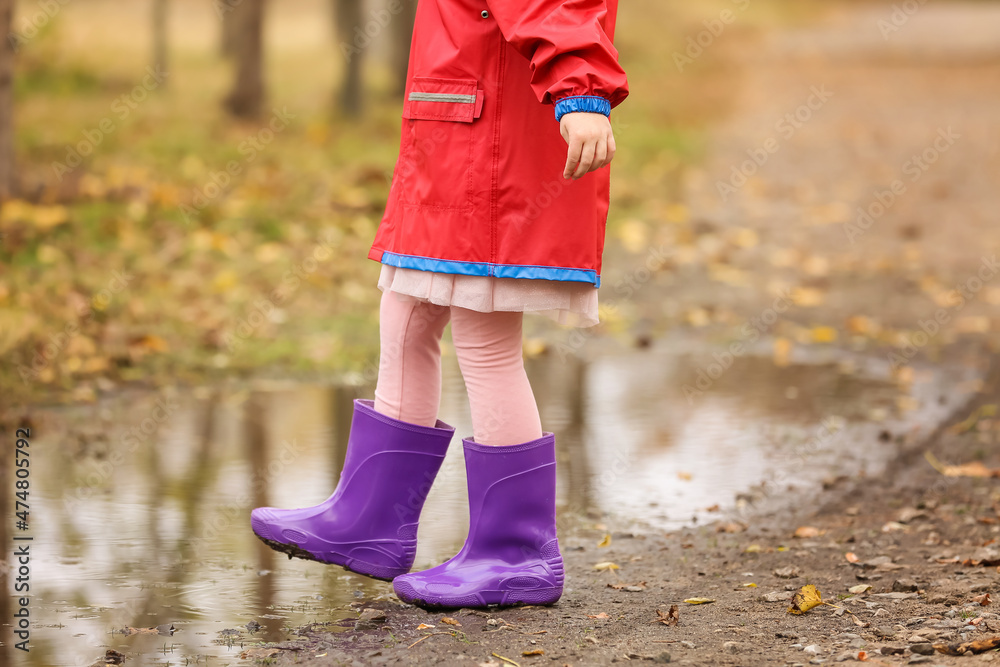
<point x="750" y="333"/>
<point x="364" y="35"/>
<point x="883" y="200"/>
<point x="58" y="341"/>
<point x="786" y="127"/>
<point x="35" y="23"/>
<point x="900" y="16"/>
<point x="264" y="307"/>
<point x="249" y="148"/>
<point x="714" y="27"/>
<point x="121" y="108"/>
<point x="958" y="298"/>
<point x="627" y="286"/>
<point x="163" y="410"/>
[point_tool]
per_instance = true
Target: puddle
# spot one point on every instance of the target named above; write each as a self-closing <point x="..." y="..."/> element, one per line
<point x="140" y="504"/>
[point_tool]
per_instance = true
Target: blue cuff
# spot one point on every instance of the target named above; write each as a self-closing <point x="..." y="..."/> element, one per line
<point x="591" y="103"/>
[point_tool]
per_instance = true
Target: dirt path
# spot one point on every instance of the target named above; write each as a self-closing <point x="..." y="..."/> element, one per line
<point x="908" y="123"/>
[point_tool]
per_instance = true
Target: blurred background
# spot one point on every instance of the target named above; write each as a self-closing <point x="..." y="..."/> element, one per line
<point x="800" y="274"/>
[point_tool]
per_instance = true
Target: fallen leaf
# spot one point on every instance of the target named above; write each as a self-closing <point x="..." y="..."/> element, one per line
<point x="983" y="599"/>
<point x="424" y="626"/>
<point x="782" y="351"/>
<point x="805" y="599"/>
<point x="750" y="585"/>
<point x="731" y="527"/>
<point x="672" y="617"/>
<point x="808" y="531"/>
<point x="632" y="588"/>
<point x="978" y="646"/>
<point x="859" y="589"/>
<point x="606" y="541"/>
<point x="753" y="549"/>
<point x="686" y="476"/>
<point x="971" y="469"/>
<point x="536" y="651"/>
<point x="699" y="600"/>
<point x="601" y="615"/>
<point x="448" y="620"/>
<point x="851" y="557"/>
<point x="606" y="565"/>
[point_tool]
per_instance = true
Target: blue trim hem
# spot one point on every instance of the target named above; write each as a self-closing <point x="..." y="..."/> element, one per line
<point x="591" y="103"/>
<point x="487" y="269"/>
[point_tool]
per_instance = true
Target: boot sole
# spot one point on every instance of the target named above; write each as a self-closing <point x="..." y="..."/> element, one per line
<point x="515" y="598"/>
<point x="352" y="565"/>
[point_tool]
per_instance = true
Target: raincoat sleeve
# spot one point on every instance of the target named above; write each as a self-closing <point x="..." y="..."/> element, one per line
<point x="574" y="64"/>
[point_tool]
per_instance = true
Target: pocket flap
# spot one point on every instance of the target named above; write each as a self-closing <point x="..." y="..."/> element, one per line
<point x="431" y="98"/>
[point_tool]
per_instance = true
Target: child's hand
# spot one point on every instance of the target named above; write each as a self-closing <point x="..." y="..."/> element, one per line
<point x="591" y="142"/>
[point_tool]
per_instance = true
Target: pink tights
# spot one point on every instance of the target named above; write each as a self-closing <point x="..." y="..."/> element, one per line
<point x="488" y="347"/>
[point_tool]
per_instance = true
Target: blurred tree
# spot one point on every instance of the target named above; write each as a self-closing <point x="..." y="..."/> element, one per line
<point x="228" y="41"/>
<point x="247" y="96"/>
<point x="160" y="35"/>
<point x="6" y="99"/>
<point x="346" y="19"/>
<point x="402" y="34"/>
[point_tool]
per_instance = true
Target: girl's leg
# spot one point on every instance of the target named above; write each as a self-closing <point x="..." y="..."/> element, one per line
<point x="488" y="346"/>
<point x="409" y="377"/>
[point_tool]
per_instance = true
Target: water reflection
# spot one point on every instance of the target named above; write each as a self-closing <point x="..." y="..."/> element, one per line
<point x="141" y="503"/>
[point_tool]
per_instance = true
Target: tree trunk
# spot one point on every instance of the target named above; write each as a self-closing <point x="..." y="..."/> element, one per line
<point x="402" y="35"/>
<point x="6" y="99"/>
<point x="247" y="97"/>
<point x="160" y="35"/>
<point x="225" y="9"/>
<point x="347" y="17"/>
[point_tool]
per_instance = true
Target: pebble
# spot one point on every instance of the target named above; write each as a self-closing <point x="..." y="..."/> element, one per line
<point x="924" y="648"/>
<point x="687" y="644"/>
<point x="813" y="648"/>
<point x="778" y="596"/>
<point x="788" y="572"/>
<point x="905" y="586"/>
<point x="731" y="647"/>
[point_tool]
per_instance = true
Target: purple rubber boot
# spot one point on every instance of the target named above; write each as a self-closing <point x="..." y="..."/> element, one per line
<point x="369" y="524"/>
<point x="511" y="555"/>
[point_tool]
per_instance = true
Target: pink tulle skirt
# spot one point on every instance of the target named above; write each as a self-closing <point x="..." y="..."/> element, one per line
<point x="567" y="302"/>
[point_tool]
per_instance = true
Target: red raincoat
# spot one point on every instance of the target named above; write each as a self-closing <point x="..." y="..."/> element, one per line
<point x="478" y="187"/>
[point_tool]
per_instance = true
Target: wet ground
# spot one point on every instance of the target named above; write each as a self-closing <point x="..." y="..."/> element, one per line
<point x="140" y="502"/>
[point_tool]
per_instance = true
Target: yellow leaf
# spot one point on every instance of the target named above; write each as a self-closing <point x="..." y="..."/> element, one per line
<point x="424" y="626"/>
<point x="807" y="297"/>
<point x="699" y="600"/>
<point x="805" y="599"/>
<point x="824" y="334"/>
<point x="606" y="541"/>
<point x="448" y="620"/>
<point x="634" y="235"/>
<point x="750" y="584"/>
<point x="606" y="565"/>
<point x="536" y="651"/>
<point x="746" y="238"/>
<point x="534" y="347"/>
<point x="782" y="351"/>
<point x="753" y="549"/>
<point x="225" y="280"/>
<point x="47" y="217"/>
<point x="686" y="476"/>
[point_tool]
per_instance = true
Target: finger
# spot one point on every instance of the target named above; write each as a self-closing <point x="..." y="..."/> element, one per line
<point x="572" y="157"/>
<point x="612" y="147"/>
<point x="600" y="155"/>
<point x="586" y="159"/>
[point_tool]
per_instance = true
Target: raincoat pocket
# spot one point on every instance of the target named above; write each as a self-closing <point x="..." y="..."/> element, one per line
<point x="438" y="141"/>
